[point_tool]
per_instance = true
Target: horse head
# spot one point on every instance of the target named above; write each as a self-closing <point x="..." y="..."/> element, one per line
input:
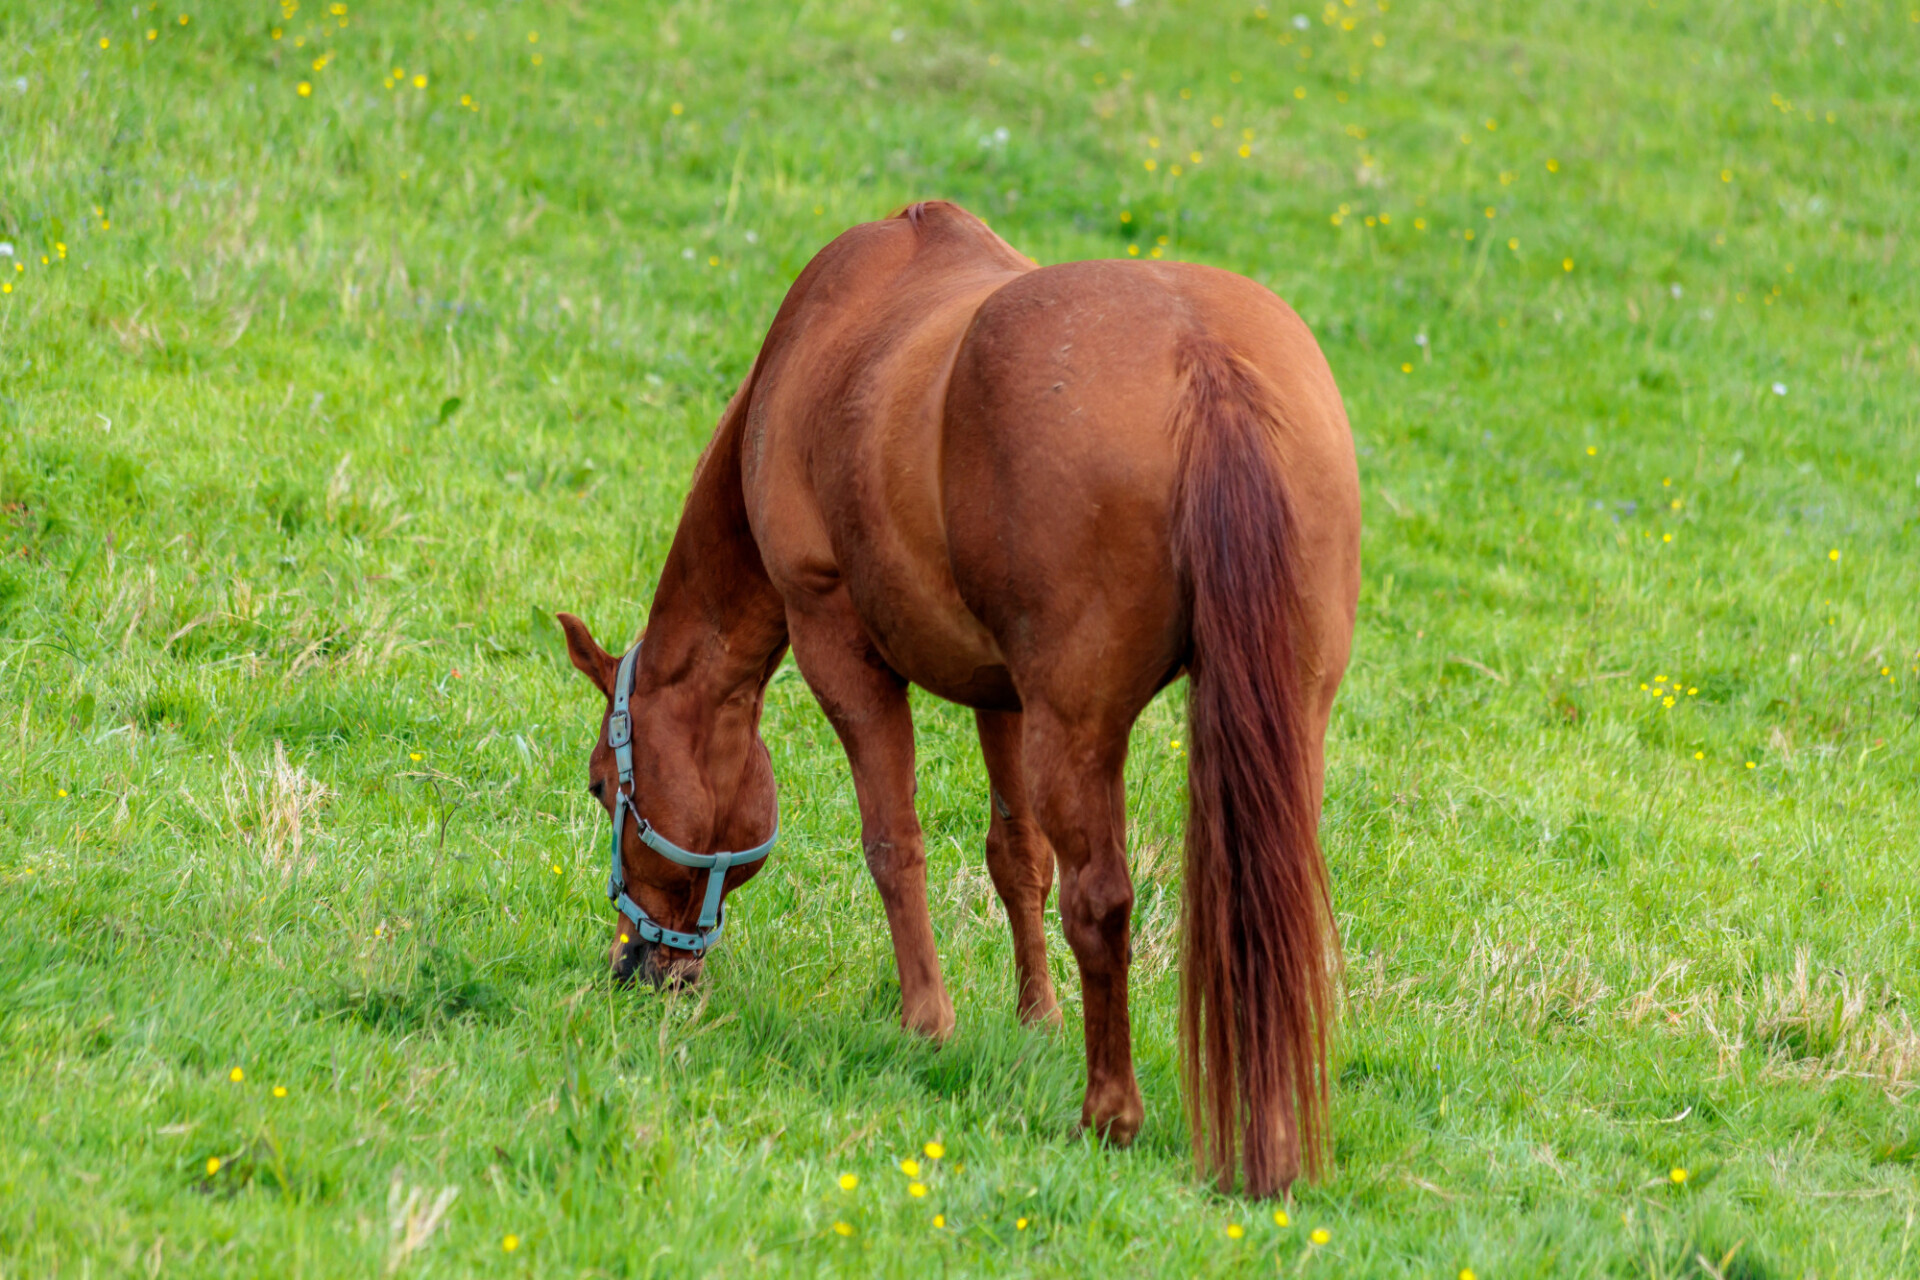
<point x="668" y="764"/>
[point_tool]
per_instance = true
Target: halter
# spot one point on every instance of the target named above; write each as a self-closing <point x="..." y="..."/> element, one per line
<point x="620" y="738"/>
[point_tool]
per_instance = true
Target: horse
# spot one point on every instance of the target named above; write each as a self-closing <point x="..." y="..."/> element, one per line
<point x="1043" y="493"/>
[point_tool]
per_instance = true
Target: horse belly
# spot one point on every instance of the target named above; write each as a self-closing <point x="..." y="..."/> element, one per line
<point x="877" y="545"/>
<point x="912" y="611"/>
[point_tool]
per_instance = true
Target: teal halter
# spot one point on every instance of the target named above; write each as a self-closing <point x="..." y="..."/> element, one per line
<point x="620" y="738"/>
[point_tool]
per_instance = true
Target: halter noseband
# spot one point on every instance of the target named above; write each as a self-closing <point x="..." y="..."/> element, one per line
<point x="620" y="738"/>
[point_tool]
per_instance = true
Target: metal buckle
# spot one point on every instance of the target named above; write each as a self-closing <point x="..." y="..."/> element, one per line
<point x="619" y="728"/>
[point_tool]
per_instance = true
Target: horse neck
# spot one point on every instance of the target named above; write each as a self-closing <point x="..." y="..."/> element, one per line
<point x="717" y="628"/>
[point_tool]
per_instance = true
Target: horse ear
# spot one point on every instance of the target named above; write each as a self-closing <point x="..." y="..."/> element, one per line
<point x="598" y="665"/>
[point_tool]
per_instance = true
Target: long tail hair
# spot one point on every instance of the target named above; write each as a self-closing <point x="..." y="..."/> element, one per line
<point x="1259" y="940"/>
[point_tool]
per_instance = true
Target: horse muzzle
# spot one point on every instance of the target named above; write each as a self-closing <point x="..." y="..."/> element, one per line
<point x="660" y="968"/>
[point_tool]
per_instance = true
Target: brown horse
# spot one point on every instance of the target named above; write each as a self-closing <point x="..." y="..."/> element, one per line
<point x="1042" y="493"/>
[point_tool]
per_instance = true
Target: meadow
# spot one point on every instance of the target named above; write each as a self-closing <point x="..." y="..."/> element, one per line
<point x="342" y="344"/>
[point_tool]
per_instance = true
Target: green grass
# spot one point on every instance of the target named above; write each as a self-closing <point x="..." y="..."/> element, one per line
<point x="301" y="451"/>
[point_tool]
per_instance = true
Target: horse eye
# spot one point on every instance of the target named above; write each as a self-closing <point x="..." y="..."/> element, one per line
<point x="597" y="788"/>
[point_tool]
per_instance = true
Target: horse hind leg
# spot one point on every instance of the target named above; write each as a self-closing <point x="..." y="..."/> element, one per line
<point x="1020" y="860"/>
<point x="1074" y="772"/>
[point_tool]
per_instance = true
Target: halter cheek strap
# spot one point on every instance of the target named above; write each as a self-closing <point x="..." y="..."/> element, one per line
<point x="620" y="738"/>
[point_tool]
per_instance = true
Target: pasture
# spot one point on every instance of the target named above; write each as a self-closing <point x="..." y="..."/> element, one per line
<point x="342" y="344"/>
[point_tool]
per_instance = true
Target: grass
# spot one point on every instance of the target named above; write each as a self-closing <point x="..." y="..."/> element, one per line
<point x="317" y="405"/>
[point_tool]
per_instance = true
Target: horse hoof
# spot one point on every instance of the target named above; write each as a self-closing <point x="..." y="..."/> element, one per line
<point x="936" y="1024"/>
<point x="1043" y="1017"/>
<point x="1115" y="1115"/>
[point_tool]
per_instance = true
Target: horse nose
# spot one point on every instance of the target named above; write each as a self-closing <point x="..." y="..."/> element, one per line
<point x="629" y="958"/>
<point x="668" y="974"/>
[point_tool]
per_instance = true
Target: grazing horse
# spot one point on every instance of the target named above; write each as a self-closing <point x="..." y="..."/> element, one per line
<point x="1043" y="493"/>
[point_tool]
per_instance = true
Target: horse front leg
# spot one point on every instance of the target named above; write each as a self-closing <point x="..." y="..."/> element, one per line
<point x="1074" y="773"/>
<point x="866" y="701"/>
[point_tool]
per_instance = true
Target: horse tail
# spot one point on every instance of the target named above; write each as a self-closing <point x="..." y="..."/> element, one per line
<point x="1259" y="940"/>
